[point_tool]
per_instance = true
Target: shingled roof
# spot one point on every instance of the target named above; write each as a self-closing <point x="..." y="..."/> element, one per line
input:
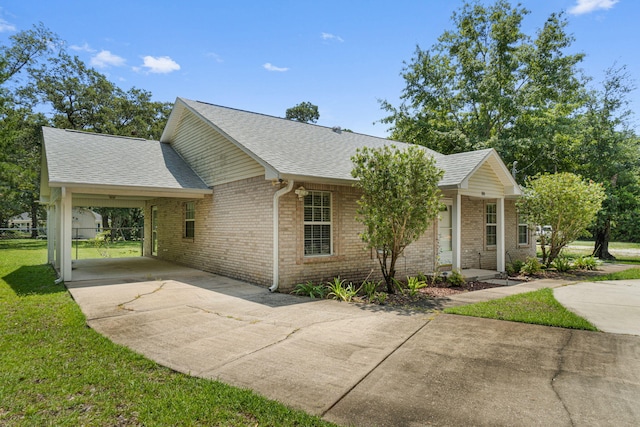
<point x="286" y="148"/>
<point x="291" y="149"/>
<point x="85" y="159"/>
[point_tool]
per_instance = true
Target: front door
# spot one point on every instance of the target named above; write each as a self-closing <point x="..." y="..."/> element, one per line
<point x="445" y="249"/>
<point x="154" y="230"/>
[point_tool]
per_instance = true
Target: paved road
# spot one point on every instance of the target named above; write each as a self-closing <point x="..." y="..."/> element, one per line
<point x="366" y="366"/>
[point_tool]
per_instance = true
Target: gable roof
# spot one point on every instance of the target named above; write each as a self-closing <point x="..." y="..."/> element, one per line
<point x="293" y="150"/>
<point x="285" y="148"/>
<point x="83" y="159"/>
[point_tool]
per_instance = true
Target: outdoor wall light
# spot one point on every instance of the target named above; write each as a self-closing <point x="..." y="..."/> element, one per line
<point x="301" y="193"/>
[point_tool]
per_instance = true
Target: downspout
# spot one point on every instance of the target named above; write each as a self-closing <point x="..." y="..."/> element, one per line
<point x="276" y="229"/>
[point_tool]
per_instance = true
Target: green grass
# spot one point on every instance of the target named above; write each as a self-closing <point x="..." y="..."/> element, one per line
<point x="585" y="248"/>
<point x="612" y="245"/>
<point x="537" y="307"/>
<point x="84" y="249"/>
<point x="56" y="371"/>
<point x="630" y="274"/>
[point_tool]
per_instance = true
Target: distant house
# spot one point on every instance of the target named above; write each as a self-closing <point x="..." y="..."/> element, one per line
<point x="86" y="223"/>
<point x="22" y="221"/>
<point x="269" y="200"/>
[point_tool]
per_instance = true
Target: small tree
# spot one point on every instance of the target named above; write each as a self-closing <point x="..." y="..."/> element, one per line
<point x="565" y="202"/>
<point x="400" y="199"/>
<point x="304" y="112"/>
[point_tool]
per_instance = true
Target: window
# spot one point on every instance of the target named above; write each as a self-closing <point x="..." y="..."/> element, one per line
<point x="317" y="223"/>
<point x="189" y="220"/>
<point x="523" y="231"/>
<point x="491" y="224"/>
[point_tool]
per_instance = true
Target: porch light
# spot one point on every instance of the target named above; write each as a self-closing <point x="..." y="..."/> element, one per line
<point x="301" y="193"/>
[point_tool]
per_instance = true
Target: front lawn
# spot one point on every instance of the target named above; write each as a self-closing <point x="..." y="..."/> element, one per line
<point x="56" y="371"/>
<point x="630" y="274"/>
<point x="537" y="307"/>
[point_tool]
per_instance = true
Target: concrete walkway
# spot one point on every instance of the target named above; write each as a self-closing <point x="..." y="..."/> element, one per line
<point x="365" y="365"/>
<point x="611" y="306"/>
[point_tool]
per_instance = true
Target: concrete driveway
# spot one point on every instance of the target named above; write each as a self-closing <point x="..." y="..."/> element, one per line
<point x="363" y="365"/>
<point x="612" y="306"/>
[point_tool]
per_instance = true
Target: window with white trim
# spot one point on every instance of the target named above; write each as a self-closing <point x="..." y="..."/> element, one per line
<point x="523" y="231"/>
<point x="491" y="224"/>
<point x="189" y="220"/>
<point x="317" y="223"/>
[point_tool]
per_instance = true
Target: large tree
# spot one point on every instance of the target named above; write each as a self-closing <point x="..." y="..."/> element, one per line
<point x="609" y="152"/>
<point x="400" y="199"/>
<point x="19" y="125"/>
<point x="488" y="84"/>
<point x="563" y="201"/>
<point x="304" y="112"/>
<point x="84" y="99"/>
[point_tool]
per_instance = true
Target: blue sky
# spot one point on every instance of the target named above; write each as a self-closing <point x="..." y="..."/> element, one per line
<point x="267" y="56"/>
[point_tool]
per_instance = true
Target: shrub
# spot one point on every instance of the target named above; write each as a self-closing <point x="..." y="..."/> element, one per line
<point x="585" y="263"/>
<point x="515" y="267"/>
<point x="338" y="290"/>
<point x="531" y="266"/>
<point x="379" y="298"/>
<point x="310" y="289"/>
<point x="369" y="288"/>
<point x="561" y="264"/>
<point x="414" y="284"/>
<point x="455" y="278"/>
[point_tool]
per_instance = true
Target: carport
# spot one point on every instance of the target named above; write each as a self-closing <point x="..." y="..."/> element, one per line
<point x="119" y="172"/>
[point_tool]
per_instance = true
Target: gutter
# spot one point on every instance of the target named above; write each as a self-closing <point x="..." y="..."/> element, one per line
<point x="276" y="229"/>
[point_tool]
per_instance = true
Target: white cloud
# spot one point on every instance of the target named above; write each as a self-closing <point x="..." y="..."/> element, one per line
<point x="587" y="6"/>
<point x="270" y="67"/>
<point x="6" y="26"/>
<point x="331" y="37"/>
<point x="84" y="48"/>
<point x="106" y="59"/>
<point x="159" y="65"/>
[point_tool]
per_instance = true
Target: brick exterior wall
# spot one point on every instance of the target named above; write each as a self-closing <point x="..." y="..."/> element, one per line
<point x="233" y="236"/>
<point x="475" y="253"/>
<point x="351" y="260"/>
<point x="233" y="230"/>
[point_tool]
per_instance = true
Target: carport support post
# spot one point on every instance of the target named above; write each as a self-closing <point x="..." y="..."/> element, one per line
<point x="500" y="257"/>
<point x="65" y="219"/>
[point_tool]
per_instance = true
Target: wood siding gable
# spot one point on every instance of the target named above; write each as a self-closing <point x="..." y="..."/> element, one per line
<point x="484" y="183"/>
<point x="211" y="155"/>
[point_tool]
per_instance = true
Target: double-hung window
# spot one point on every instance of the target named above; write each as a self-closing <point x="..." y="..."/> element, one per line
<point x="189" y="220"/>
<point x="491" y="224"/>
<point x="317" y="223"/>
<point x="523" y="231"/>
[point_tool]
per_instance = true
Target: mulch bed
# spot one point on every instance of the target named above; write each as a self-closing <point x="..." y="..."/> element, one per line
<point x="427" y="297"/>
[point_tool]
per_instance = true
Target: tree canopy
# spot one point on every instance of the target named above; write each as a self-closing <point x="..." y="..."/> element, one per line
<point x="400" y="199"/>
<point x="304" y="112"/>
<point x="488" y="84"/>
<point x="37" y="74"/>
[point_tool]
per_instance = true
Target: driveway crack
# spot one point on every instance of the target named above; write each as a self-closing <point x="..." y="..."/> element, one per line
<point x="122" y="305"/>
<point x="559" y="372"/>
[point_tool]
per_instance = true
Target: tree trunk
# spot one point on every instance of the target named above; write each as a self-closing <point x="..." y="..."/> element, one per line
<point x="34" y="220"/>
<point x="601" y="246"/>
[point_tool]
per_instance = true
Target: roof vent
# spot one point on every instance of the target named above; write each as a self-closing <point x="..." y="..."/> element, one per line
<point x="337" y="129"/>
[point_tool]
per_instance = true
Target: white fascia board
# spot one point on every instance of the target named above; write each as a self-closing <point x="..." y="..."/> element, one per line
<point x="132" y="190"/>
